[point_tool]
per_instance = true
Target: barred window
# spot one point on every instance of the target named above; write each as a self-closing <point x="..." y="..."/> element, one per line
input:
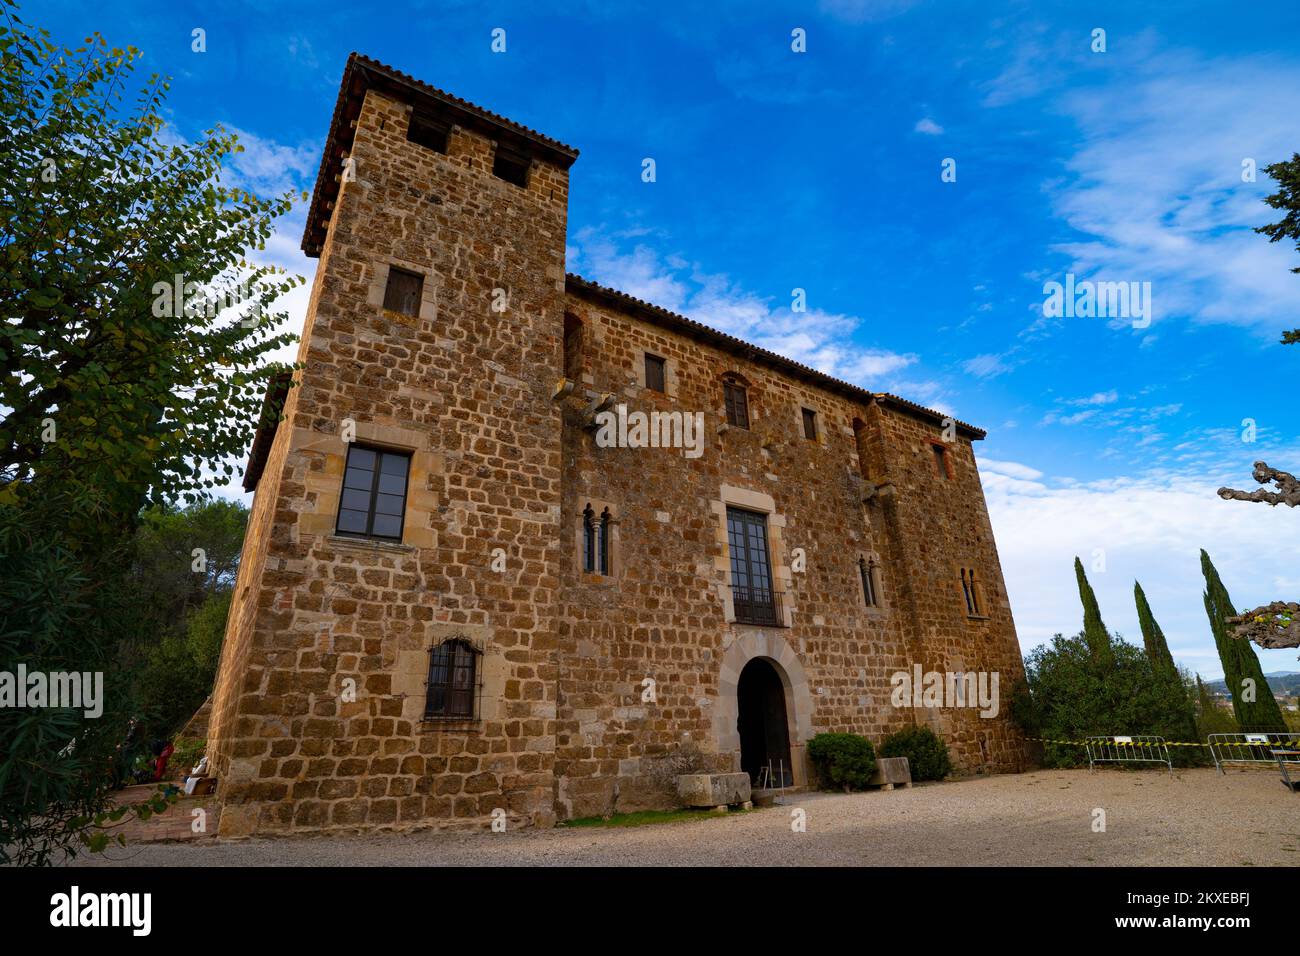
<point x="452" y="688"/>
<point x="737" y="403"/>
<point x="373" y="502"/>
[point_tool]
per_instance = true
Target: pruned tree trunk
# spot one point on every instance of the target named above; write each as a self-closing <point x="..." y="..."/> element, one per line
<point x="1273" y="625"/>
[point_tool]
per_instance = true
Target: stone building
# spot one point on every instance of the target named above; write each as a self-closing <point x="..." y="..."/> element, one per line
<point x="463" y="594"/>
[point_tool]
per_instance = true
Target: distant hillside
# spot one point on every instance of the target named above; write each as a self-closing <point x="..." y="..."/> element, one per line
<point x="1284" y="683"/>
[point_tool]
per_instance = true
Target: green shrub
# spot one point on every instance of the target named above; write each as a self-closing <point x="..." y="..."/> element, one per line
<point x="842" y="760"/>
<point x="927" y="755"/>
<point x="1070" y="696"/>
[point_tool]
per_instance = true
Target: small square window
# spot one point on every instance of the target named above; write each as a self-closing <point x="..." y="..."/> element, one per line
<point x="737" y="404"/>
<point x="809" y="424"/>
<point x="511" y="167"/>
<point x="655" y="372"/>
<point x="373" y="499"/>
<point x="403" y="292"/>
<point x="428" y="132"/>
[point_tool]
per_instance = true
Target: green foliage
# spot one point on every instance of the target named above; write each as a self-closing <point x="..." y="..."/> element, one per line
<point x="1162" y="662"/>
<point x="927" y="755"/>
<point x="102" y="210"/>
<point x="1287" y="198"/>
<point x="1094" y="631"/>
<point x="1068" y="695"/>
<point x="1240" y="664"/>
<point x="1210" y="717"/>
<point x="113" y="398"/>
<point x="842" y="760"/>
<point x="189" y="751"/>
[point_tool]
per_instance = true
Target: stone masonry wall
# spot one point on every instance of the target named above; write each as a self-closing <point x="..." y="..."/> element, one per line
<point x="321" y="690"/>
<point x="663" y="611"/>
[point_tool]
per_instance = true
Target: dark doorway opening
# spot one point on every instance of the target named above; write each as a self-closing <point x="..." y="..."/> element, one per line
<point x="764" y="733"/>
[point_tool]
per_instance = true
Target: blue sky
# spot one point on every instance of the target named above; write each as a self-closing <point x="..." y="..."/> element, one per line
<point x="821" y="171"/>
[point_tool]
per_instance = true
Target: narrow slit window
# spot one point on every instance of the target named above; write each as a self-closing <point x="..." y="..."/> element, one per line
<point x="603" y="541"/>
<point x="941" y="460"/>
<point x="809" y="424"/>
<point x="868" y="571"/>
<point x="589" y="540"/>
<point x="373" y="501"/>
<point x="737" y="404"/>
<point x="402" y="294"/>
<point x="655" y="369"/>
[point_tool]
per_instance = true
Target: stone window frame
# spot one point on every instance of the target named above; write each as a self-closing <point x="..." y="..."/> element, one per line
<point x="821" y="419"/>
<point x="670" y="373"/>
<point x="379" y="285"/>
<point x="371" y="512"/>
<point x="476" y="681"/>
<point x="325" y="483"/>
<point x="733" y="379"/>
<point x="937" y="446"/>
<point x="980" y="594"/>
<point x="782" y="578"/>
<point x="613" y="563"/>
<point x="876" y="567"/>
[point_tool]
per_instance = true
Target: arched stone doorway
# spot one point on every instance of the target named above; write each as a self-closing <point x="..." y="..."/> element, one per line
<point x="764" y="644"/>
<point x="763" y="725"/>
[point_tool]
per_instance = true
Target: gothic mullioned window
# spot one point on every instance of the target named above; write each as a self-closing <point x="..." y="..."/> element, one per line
<point x="870" y="591"/>
<point x="970" y="588"/>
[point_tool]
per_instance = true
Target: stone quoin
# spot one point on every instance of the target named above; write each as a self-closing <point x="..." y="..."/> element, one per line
<point x="453" y="601"/>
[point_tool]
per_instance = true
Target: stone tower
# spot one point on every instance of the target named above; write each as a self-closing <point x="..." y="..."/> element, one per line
<point x="432" y="338"/>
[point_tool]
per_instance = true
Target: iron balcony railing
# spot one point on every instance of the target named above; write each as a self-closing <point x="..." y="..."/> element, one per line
<point x="757" y="606"/>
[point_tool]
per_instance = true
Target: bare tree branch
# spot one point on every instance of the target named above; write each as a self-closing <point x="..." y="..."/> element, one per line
<point x="1288" y="485"/>
<point x="1273" y="625"/>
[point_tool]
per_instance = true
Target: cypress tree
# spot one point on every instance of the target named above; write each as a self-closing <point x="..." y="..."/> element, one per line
<point x="1154" y="638"/>
<point x="1094" y="631"/>
<point x="1239" y="661"/>
<point x="1162" y="662"/>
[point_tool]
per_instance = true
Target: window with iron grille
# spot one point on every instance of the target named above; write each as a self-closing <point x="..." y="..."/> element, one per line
<point x="868" y="571"/>
<point x="511" y="167"/>
<point x="402" y="294"/>
<point x="452" y="690"/>
<point x="655" y="372"/>
<point x="752" y="595"/>
<point x="428" y="132"/>
<point x="809" y="424"/>
<point x="373" y="501"/>
<point x="737" y="402"/>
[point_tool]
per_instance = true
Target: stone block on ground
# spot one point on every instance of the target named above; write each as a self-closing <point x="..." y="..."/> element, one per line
<point x="891" y="772"/>
<point x="713" y="789"/>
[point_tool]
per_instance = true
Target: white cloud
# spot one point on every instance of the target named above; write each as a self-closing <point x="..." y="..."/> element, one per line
<point x="821" y="339"/>
<point x="1150" y="529"/>
<point x="929" y="127"/>
<point x="1098" y="398"/>
<point x="988" y="365"/>
<point x="1157" y="193"/>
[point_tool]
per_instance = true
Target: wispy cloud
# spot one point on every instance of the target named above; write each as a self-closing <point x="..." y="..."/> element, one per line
<point x="928" y="126"/>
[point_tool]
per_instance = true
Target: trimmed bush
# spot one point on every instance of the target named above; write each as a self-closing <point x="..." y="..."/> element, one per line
<point x="842" y="760"/>
<point x="927" y="755"/>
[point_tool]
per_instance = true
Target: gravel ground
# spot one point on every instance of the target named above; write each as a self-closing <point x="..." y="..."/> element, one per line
<point x="1043" y="818"/>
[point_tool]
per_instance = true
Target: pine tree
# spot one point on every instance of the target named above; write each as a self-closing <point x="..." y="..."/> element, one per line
<point x="1239" y="661"/>
<point x="1094" y="631"/>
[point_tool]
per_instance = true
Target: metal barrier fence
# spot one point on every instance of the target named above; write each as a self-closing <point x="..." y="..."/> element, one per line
<point x="1249" y="748"/>
<point x="1139" y="749"/>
